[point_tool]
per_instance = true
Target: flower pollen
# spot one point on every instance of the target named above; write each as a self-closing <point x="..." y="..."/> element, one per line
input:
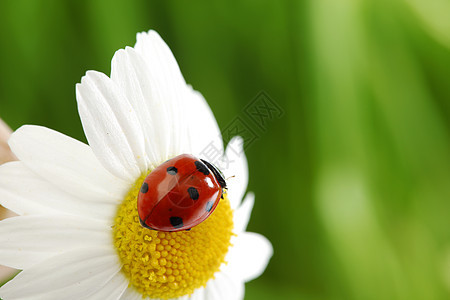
<point x="170" y="264"/>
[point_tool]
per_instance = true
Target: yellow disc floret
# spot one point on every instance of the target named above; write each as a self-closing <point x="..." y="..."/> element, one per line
<point x="170" y="264"/>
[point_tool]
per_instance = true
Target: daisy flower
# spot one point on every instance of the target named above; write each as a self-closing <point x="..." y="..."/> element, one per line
<point x="78" y="234"/>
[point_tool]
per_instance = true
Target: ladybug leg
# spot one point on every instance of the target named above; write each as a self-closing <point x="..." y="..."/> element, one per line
<point x="188" y="229"/>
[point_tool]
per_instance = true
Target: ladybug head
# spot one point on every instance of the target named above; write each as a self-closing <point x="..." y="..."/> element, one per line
<point x="217" y="173"/>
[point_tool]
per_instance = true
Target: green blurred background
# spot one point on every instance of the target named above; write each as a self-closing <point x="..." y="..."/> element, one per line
<point x="352" y="183"/>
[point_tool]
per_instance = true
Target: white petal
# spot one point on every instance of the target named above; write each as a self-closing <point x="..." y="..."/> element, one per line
<point x="131" y="294"/>
<point x="25" y="241"/>
<point x="224" y="287"/>
<point x="128" y="71"/>
<point x="71" y="275"/>
<point x="25" y="193"/>
<point x="160" y="112"/>
<point x="199" y="294"/>
<point x="159" y="58"/>
<point x="67" y="163"/>
<point x="234" y="165"/>
<point x="111" y="126"/>
<point x="165" y="93"/>
<point x="249" y="256"/>
<point x="242" y="214"/>
<point x="204" y="133"/>
<point x="112" y="290"/>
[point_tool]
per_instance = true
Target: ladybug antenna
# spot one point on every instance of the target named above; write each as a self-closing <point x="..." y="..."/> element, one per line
<point x="230" y="177"/>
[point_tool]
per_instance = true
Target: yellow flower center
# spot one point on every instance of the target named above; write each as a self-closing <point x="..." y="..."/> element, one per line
<point x="170" y="264"/>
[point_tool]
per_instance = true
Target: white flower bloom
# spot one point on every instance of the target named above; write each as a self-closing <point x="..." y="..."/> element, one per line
<point x="71" y="238"/>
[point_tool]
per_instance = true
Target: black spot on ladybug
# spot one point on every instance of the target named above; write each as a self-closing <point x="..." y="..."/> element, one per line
<point x="193" y="193"/>
<point x="172" y="170"/>
<point x="201" y="167"/>
<point x="170" y="209"/>
<point x="176" y="222"/>
<point x="209" y="206"/>
<point x="144" y="188"/>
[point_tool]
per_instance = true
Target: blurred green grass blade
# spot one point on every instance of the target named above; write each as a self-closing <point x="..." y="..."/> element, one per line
<point x="366" y="76"/>
<point x="433" y="17"/>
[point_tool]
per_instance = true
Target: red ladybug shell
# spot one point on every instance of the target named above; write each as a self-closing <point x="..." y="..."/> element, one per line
<point x="179" y="194"/>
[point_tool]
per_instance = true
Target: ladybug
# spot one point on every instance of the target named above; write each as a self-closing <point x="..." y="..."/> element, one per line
<point x="180" y="194"/>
